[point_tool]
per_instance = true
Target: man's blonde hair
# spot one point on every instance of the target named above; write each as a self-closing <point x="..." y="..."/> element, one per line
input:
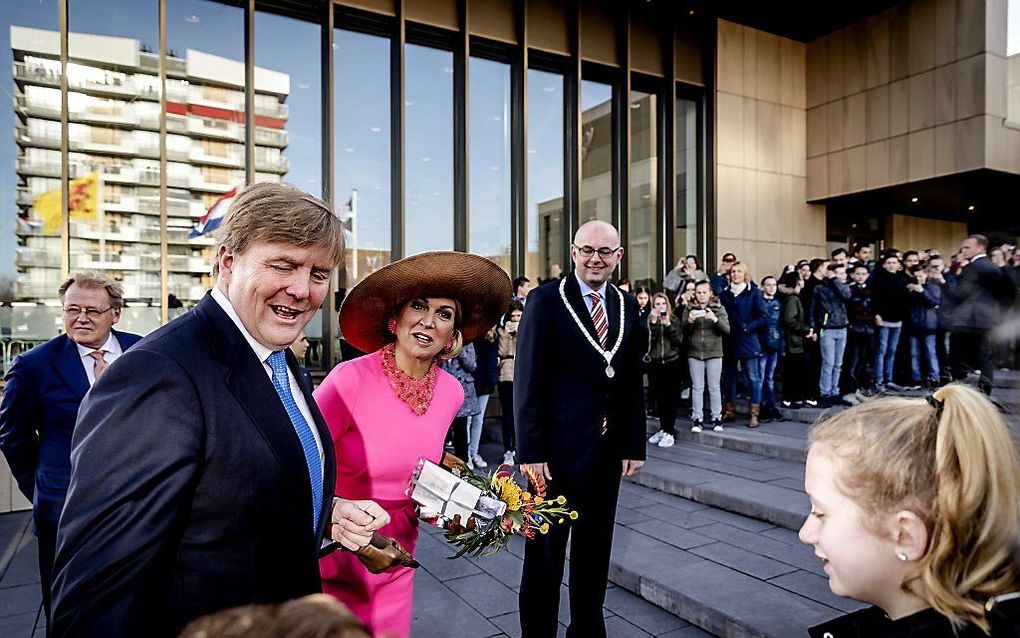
<point x="93" y="279"/>
<point x="957" y="468"/>
<point x="271" y="212"/>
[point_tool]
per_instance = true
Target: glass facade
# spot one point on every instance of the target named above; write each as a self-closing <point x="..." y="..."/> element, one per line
<point x="140" y="201"/>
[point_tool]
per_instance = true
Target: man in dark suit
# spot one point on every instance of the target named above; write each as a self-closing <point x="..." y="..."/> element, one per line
<point x="202" y="472"/>
<point x="580" y="422"/>
<point x="45" y="386"/>
<point x="981" y="293"/>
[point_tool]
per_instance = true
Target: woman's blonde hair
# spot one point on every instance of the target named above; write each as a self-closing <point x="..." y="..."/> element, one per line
<point x="742" y="267"/>
<point x="951" y="461"/>
<point x="669" y="306"/>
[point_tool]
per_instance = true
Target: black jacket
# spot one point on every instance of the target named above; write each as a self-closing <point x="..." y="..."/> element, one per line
<point x="982" y="291"/>
<point x="889" y="298"/>
<point x="873" y="623"/>
<point x="828" y="305"/>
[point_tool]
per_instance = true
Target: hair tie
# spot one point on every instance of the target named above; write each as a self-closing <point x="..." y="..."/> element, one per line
<point x="935" y="403"/>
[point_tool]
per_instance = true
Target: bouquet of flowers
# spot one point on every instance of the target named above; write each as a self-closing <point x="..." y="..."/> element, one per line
<point x="481" y="513"/>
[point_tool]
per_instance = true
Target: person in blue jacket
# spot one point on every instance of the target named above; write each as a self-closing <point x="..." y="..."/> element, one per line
<point x="925" y="299"/>
<point x="827" y="315"/>
<point x="771" y="339"/>
<point x="746" y="310"/>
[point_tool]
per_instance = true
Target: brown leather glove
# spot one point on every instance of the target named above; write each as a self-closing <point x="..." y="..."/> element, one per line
<point x="383" y="552"/>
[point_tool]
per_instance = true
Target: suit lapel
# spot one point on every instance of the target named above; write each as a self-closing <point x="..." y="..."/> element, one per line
<point x="71" y="369"/>
<point x="580" y="305"/>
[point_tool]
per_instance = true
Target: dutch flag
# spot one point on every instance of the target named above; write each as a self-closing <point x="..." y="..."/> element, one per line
<point x="214" y="216"/>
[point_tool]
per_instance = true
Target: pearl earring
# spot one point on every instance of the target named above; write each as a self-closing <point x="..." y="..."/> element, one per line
<point x="902" y="556"/>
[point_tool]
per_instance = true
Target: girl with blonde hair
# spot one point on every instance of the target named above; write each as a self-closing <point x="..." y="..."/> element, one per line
<point x="665" y="337"/>
<point x="915" y="508"/>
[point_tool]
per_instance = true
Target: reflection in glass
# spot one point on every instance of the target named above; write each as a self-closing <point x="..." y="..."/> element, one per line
<point x="642" y="224"/>
<point x="489" y="156"/>
<point x="596" y="152"/>
<point x="545" y="176"/>
<point x="113" y="110"/>
<point x="361" y="103"/>
<point x="686" y="217"/>
<point x="30" y="196"/>
<point x="428" y="159"/>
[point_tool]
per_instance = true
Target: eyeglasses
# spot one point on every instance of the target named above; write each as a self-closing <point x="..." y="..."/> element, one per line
<point x="74" y="312"/>
<point x="603" y="252"/>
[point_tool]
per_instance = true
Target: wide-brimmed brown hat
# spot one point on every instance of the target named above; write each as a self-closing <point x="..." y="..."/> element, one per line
<point x="481" y="286"/>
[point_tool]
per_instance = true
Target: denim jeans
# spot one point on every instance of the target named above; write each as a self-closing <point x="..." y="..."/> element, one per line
<point x="924" y="347"/>
<point x="767" y="371"/>
<point x="705" y="372"/>
<point x="833" y="345"/>
<point x="749" y="368"/>
<point x="475" y="426"/>
<point x="885" y="352"/>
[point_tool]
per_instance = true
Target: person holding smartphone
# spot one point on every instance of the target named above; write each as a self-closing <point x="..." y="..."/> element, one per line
<point x="665" y="338"/>
<point x="705" y="323"/>
<point x="506" y="335"/>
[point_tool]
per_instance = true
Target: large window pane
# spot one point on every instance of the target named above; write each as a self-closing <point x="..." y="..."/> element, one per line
<point x="361" y="103"/>
<point x="545" y="176"/>
<point x="642" y="224"/>
<point x="428" y="159"/>
<point x="596" y="152"/>
<point x="686" y="215"/>
<point x="113" y="110"/>
<point x="30" y="247"/>
<point x="489" y="208"/>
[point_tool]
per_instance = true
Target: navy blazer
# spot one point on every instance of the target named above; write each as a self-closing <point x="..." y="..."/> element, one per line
<point x="45" y="386"/>
<point x="561" y="391"/>
<point x="189" y="488"/>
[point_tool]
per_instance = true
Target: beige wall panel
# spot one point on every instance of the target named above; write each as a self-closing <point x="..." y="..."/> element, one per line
<point x="855" y="57"/>
<point x="817" y="138"/>
<point x="856" y="169"/>
<point x="970" y="27"/>
<point x="547" y="26"/>
<point x="922" y="36"/>
<point x="7" y="486"/>
<point x="837" y="173"/>
<point x="995" y="85"/>
<point x="791" y="73"/>
<point x="856" y="110"/>
<point x="794" y="142"/>
<point x="439" y="13"/>
<point x="945" y="94"/>
<point x="970" y="86"/>
<point x="945" y="32"/>
<point x="996" y="21"/>
<point x="598" y="32"/>
<point x="809" y="228"/>
<point x="750" y="62"/>
<point x="493" y="19"/>
<point x="375" y="6"/>
<point x="730" y="129"/>
<point x="876" y="115"/>
<point x="730" y="58"/>
<point x="921" y="100"/>
<point x="768" y="120"/>
<point x="688" y="55"/>
<point x="750" y="142"/>
<point x="730" y="201"/>
<point x="945" y="148"/>
<point x="764" y="224"/>
<point x="750" y="205"/>
<point x="970" y="146"/>
<point x="899" y="42"/>
<point x="921" y="153"/>
<point x="816" y="64"/>
<point x="877" y="65"/>
<point x="836" y="73"/>
<point x="817" y="178"/>
<point x="898" y="165"/>
<point x="767" y="66"/>
<point x="1002" y="148"/>
<point x="876" y="172"/>
<point x="835" y="119"/>
<point x="899" y="107"/>
<point x="645" y="44"/>
<point x="906" y="230"/>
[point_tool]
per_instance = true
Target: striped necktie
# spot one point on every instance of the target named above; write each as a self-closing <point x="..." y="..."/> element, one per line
<point x="598" y="317"/>
<point x="98" y="362"/>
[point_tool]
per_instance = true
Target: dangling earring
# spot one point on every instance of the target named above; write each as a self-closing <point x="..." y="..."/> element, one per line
<point x="902" y="556"/>
<point x="449" y="347"/>
<point x="392" y="325"/>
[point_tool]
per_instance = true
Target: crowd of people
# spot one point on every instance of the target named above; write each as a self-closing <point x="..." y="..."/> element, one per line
<point x="826" y="332"/>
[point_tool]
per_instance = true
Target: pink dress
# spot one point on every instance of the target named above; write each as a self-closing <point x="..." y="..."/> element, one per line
<point x="378" y="441"/>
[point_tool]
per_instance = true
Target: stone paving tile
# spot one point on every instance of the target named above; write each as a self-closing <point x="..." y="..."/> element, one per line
<point x="23" y="568"/>
<point x="486" y="594"/>
<point x="642" y="613"/>
<point x="20" y="599"/>
<point x="736" y="520"/>
<point x="675" y="536"/>
<point x="438" y="612"/>
<point x="687" y="632"/>
<point x="18" y="625"/>
<point x="816" y="588"/>
<point x="743" y="560"/>
<point x="801" y="556"/>
<point x="617" y="627"/>
<point x="680" y="518"/>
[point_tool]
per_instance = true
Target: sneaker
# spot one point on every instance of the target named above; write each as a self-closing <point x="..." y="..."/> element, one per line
<point x="861" y="396"/>
<point x="894" y="387"/>
<point x="685" y="394"/>
<point x="666" y="440"/>
<point x="914" y="385"/>
<point x="811" y="403"/>
<point x="471" y="464"/>
<point x="851" y="399"/>
<point x="508" y="457"/>
<point x="696" y="427"/>
<point x="717" y="425"/>
<point x="479" y="461"/>
<point x="655" y="438"/>
<point x="787" y="404"/>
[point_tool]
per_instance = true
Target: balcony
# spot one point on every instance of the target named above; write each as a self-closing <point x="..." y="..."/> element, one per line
<point x="271" y="137"/>
<point x="220" y="130"/>
<point x="38" y="139"/>
<point x="37" y="289"/>
<point x="89" y="230"/>
<point x="37" y="257"/>
<point x="231" y="160"/>
<point x="279" y="111"/>
<point x="272" y="164"/>
<point x="36" y="74"/>
<point x="121" y="117"/>
<point x="27" y="166"/>
<point x="110" y="261"/>
<point x="188" y="264"/>
<point x="36" y="108"/>
<point x="199" y="183"/>
<point x="119" y="175"/>
<point x="175" y="207"/>
<point x="26" y="197"/>
<point x="146" y="290"/>
<point x="122" y="147"/>
<point x="124" y="204"/>
<point x="112" y="86"/>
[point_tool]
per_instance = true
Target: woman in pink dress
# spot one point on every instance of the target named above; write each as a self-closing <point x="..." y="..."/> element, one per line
<point x="389" y="408"/>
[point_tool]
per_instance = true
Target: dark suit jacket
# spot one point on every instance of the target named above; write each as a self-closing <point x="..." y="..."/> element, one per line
<point x="979" y="296"/>
<point x="561" y="392"/>
<point x="45" y="386"/>
<point x="189" y="489"/>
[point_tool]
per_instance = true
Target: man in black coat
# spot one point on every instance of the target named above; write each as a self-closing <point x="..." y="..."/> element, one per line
<point x="580" y="423"/>
<point x="981" y="292"/>
<point x="202" y="473"/>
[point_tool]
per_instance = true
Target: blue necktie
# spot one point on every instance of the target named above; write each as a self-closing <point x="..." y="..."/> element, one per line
<point x="278" y="362"/>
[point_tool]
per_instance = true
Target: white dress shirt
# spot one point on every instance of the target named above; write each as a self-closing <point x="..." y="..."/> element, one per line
<point x="263" y="353"/>
<point x="587" y="290"/>
<point x="111" y="350"/>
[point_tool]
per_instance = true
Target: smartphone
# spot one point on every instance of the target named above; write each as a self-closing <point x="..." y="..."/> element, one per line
<point x="698" y="314"/>
<point x="662" y="313"/>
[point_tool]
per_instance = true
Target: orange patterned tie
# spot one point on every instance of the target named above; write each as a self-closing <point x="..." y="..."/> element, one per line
<point x="99" y="363"/>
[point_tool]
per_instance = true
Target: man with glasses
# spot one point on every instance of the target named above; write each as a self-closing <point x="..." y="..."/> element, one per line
<point x="580" y="422"/>
<point x="45" y="386"/>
